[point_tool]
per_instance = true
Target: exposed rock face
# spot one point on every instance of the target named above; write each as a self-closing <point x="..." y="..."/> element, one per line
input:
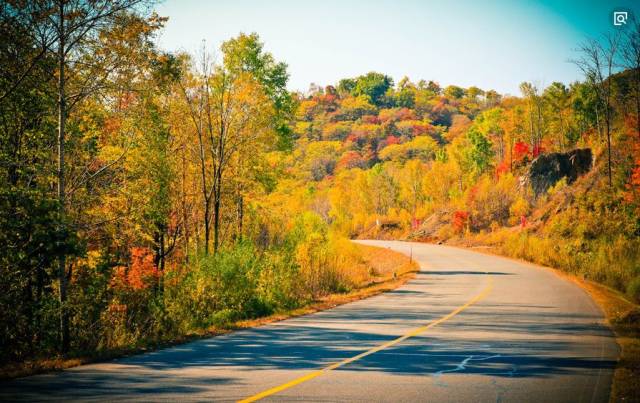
<point x="548" y="169"/>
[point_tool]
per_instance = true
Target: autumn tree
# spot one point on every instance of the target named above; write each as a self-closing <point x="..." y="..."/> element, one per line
<point x="598" y="63"/>
<point x="630" y="50"/>
<point x="558" y="100"/>
<point x="454" y="92"/>
<point x="229" y="109"/>
<point x="535" y="117"/>
<point x="245" y="53"/>
<point x="67" y="31"/>
<point x="28" y="210"/>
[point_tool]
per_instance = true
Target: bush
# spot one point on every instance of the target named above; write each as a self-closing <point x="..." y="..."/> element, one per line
<point x="226" y="281"/>
<point x="491" y="201"/>
<point x="224" y="318"/>
<point x="633" y="289"/>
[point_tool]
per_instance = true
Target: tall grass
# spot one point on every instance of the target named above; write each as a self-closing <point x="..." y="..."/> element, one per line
<point x="613" y="262"/>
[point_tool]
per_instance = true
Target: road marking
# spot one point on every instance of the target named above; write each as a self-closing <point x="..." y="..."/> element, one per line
<point x="380" y="347"/>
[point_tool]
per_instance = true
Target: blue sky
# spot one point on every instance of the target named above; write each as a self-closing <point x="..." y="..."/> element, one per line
<point x="489" y="44"/>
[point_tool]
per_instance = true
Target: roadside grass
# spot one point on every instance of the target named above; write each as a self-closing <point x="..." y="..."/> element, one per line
<point x="388" y="270"/>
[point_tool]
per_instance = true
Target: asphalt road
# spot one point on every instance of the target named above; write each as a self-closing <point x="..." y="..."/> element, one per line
<point x="470" y="327"/>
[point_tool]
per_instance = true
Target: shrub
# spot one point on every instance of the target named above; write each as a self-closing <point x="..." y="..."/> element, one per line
<point x="633" y="289"/>
<point x="226" y="281"/>
<point x="460" y="221"/>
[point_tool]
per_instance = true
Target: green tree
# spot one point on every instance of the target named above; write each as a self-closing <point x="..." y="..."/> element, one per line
<point x="245" y="53"/>
<point x="374" y="86"/>
<point x="454" y="92"/>
<point x="480" y="152"/>
<point x="598" y="63"/>
<point x="488" y="123"/>
<point x="28" y="211"/>
<point x="558" y="101"/>
<point x="346" y="86"/>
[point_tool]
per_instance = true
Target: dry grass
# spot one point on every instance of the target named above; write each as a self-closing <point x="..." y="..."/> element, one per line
<point x="382" y="263"/>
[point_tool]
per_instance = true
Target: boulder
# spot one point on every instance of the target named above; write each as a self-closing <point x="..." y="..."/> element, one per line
<point x="546" y="170"/>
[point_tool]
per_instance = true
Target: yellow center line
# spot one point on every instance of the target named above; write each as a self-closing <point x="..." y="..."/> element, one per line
<point x="382" y="346"/>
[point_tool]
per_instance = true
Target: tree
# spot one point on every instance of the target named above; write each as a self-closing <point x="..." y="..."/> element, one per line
<point x="584" y="104"/>
<point x="598" y="63"/>
<point x="422" y="148"/>
<point x="480" y="153"/>
<point x="66" y="30"/>
<point x="557" y="98"/>
<point x="374" y="86"/>
<point x="154" y="173"/>
<point x="406" y="94"/>
<point x="454" y="92"/>
<point x="382" y="188"/>
<point x="514" y="131"/>
<point x="631" y="58"/>
<point x="346" y="86"/>
<point x="474" y="92"/>
<point x="534" y="114"/>
<point x="28" y="224"/>
<point x="245" y="53"/>
<point x="411" y="184"/>
<point x="492" y="98"/>
<point x="488" y="123"/>
<point x="228" y="108"/>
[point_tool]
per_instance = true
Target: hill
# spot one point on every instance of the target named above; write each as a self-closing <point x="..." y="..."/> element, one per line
<point x="451" y="164"/>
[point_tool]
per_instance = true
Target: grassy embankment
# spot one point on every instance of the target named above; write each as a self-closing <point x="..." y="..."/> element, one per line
<point x="387" y="270"/>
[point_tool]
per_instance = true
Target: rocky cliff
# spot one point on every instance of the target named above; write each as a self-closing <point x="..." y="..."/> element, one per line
<point x="546" y="170"/>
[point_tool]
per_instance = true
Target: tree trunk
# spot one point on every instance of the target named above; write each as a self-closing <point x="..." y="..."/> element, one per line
<point x="161" y="264"/>
<point x="216" y="213"/>
<point x="598" y="123"/>
<point x="511" y="155"/>
<point x="607" y="121"/>
<point x="638" y="100"/>
<point x="62" y="100"/>
<point x="240" y="215"/>
<point x="607" y="117"/>
<point x="207" y="228"/>
<point x="185" y="219"/>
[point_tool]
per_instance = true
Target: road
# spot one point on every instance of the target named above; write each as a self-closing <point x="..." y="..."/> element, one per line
<point x="470" y="327"/>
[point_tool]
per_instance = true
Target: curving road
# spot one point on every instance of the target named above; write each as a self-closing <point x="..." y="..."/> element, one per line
<point x="469" y="327"/>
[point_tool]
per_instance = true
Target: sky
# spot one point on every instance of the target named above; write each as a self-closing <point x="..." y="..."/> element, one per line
<point x="490" y="44"/>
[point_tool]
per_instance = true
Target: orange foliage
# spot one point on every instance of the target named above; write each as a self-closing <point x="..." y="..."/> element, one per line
<point x="520" y="150"/>
<point x="351" y="159"/>
<point x="502" y="168"/>
<point x="632" y="193"/>
<point x="396" y="115"/>
<point x="537" y="150"/>
<point x="371" y="119"/>
<point x="460" y="220"/>
<point x="392" y="140"/>
<point x="141" y="273"/>
<point x="111" y="125"/>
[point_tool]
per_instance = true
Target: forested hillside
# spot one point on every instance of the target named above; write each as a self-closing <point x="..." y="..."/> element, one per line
<point x="146" y="195"/>
<point x="415" y="160"/>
